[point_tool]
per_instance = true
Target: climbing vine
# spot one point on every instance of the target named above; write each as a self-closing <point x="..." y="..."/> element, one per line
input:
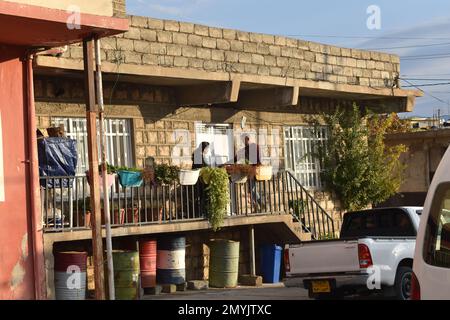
<point x="216" y="180"/>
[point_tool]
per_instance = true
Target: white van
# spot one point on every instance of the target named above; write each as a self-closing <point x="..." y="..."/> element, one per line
<point x="431" y="267"/>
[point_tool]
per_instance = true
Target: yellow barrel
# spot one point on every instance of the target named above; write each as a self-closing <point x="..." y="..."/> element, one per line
<point x="126" y="274"/>
<point x="224" y="263"/>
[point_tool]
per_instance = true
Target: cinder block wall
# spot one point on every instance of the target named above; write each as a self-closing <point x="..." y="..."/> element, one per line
<point x="119" y="8"/>
<point x="191" y="46"/>
<point x="163" y="131"/>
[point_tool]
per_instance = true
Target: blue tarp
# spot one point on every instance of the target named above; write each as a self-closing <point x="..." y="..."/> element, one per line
<point x="57" y="157"/>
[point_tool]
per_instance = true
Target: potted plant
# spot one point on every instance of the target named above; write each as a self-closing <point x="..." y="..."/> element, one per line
<point x="188" y="177"/>
<point x="240" y="172"/>
<point x="110" y="175"/>
<point x="263" y="172"/>
<point x="148" y="174"/>
<point x="166" y="174"/>
<point x="84" y="212"/>
<point x="129" y="177"/>
<point x="217" y="190"/>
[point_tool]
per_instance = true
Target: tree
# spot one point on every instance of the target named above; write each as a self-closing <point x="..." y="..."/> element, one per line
<point x="356" y="163"/>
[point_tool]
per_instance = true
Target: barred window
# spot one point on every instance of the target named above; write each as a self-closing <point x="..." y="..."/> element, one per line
<point x="300" y="145"/>
<point x="118" y="140"/>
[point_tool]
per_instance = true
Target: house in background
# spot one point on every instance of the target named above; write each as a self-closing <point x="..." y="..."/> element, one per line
<point x="27" y="27"/>
<point x="425" y="123"/>
<point x="170" y="85"/>
<point x="425" y="151"/>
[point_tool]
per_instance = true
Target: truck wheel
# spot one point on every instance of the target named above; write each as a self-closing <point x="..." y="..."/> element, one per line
<point x="403" y="283"/>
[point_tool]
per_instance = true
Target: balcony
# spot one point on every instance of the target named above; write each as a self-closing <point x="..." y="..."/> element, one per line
<point x="65" y="205"/>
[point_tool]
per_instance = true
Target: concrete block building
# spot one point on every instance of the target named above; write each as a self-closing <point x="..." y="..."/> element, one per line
<point x="170" y="85"/>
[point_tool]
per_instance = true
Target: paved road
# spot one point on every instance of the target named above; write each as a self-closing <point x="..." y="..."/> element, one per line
<point x="267" y="292"/>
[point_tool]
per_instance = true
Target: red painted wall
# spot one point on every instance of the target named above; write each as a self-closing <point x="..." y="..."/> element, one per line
<point x="16" y="258"/>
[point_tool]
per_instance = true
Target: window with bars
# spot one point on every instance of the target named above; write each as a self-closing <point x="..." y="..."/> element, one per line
<point x="118" y="137"/>
<point x="300" y="145"/>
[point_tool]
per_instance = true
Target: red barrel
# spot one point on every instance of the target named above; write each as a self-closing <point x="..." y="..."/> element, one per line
<point x="147" y="261"/>
<point x="70" y="275"/>
<point x="64" y="260"/>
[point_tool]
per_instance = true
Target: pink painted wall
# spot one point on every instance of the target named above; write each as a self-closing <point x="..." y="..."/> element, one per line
<point x="16" y="258"/>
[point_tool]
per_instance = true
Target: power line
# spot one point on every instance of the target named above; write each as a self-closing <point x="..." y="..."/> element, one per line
<point x="425" y="92"/>
<point x="423" y="79"/>
<point x="425" y="75"/>
<point x="426" y="85"/>
<point x="410" y="46"/>
<point x="366" y="37"/>
<point x="426" y="57"/>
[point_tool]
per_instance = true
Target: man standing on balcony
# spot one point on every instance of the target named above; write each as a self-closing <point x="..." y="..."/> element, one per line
<point x="250" y="153"/>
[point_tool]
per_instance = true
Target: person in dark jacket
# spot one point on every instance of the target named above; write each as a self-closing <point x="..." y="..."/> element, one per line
<point x="201" y="156"/>
<point x="249" y="153"/>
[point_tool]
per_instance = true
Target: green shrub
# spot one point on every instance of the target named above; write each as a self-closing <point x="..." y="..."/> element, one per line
<point x="217" y="190"/>
<point x="165" y="174"/>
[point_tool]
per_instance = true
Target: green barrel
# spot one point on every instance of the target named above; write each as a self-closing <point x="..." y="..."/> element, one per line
<point x="126" y="275"/>
<point x="224" y="263"/>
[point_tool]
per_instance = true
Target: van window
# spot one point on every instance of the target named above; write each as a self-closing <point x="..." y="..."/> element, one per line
<point x="436" y="250"/>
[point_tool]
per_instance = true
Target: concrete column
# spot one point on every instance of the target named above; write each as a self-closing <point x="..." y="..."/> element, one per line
<point x="251" y="238"/>
<point x="49" y="263"/>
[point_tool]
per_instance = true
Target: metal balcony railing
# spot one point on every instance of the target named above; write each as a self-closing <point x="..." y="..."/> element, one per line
<point x="66" y="204"/>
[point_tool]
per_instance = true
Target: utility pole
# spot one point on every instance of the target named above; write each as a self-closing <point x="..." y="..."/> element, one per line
<point x="109" y="258"/>
<point x="439" y="118"/>
<point x="91" y="118"/>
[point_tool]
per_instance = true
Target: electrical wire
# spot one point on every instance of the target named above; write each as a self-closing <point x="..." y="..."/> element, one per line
<point x="366" y="37"/>
<point x="426" y="75"/>
<point x="410" y="46"/>
<point x="424" y="79"/>
<point x="426" y="84"/>
<point x="425" y="92"/>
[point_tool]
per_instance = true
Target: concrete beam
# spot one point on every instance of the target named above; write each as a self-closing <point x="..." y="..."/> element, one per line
<point x="324" y="87"/>
<point x="181" y="226"/>
<point x="268" y="98"/>
<point x="211" y="93"/>
<point x="394" y="104"/>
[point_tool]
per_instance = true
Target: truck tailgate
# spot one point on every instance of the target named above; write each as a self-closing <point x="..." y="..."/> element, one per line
<point x="330" y="256"/>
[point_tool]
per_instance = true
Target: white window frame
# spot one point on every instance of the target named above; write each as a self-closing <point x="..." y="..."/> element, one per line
<point x="299" y="142"/>
<point x="118" y="137"/>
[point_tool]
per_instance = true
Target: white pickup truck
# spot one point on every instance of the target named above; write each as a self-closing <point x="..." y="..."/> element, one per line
<point x="375" y="251"/>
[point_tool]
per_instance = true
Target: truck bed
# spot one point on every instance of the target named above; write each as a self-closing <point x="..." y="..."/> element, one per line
<point x="335" y="256"/>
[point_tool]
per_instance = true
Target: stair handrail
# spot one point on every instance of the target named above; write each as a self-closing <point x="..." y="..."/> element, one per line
<point x="323" y="212"/>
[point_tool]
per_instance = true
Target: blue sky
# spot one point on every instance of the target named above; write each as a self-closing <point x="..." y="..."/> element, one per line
<point x="423" y="27"/>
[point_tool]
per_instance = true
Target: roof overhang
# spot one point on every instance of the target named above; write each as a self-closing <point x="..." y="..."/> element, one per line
<point x="198" y="87"/>
<point x="34" y="26"/>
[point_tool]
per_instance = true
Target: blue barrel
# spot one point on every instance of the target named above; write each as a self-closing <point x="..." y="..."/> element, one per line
<point x="170" y="261"/>
<point x="271" y="263"/>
